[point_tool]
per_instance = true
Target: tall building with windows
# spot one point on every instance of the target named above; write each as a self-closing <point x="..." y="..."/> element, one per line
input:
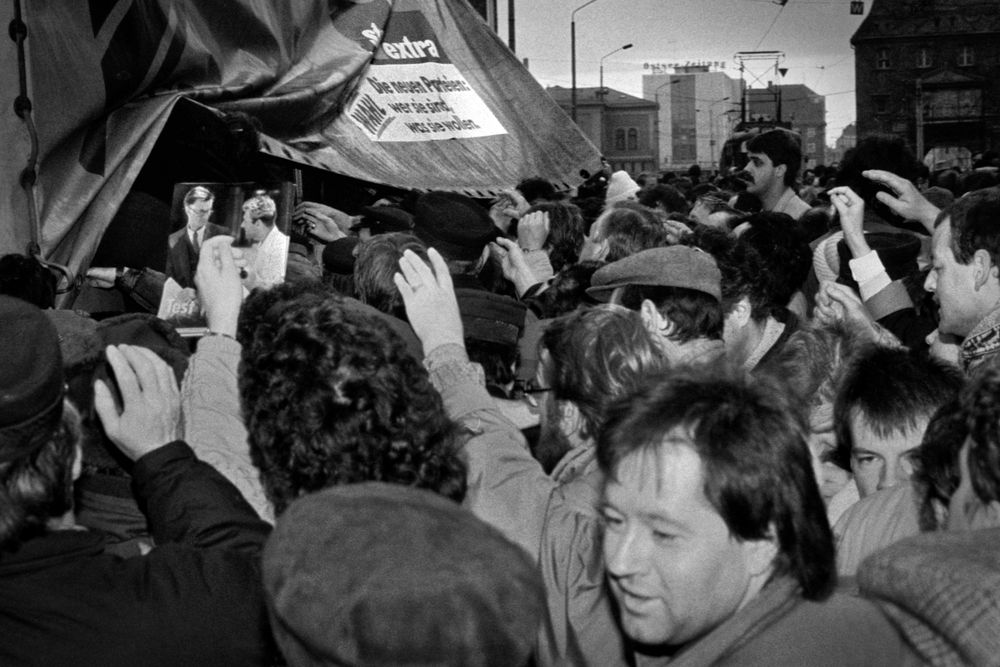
<point x="929" y="71"/>
<point x="622" y="126"/>
<point x="696" y="112"/>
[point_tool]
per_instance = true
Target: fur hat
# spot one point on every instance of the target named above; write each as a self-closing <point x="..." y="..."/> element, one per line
<point x="453" y="224"/>
<point x="31" y="373"/>
<point x="620" y="187"/>
<point x="673" y="266"/>
<point x="382" y="574"/>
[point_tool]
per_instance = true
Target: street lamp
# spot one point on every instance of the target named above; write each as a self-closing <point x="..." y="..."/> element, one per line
<point x="711" y="131"/>
<point x="620" y="48"/>
<point x="572" y="54"/>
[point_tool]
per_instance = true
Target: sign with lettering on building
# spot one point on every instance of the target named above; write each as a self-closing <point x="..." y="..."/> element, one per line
<point x="412" y="92"/>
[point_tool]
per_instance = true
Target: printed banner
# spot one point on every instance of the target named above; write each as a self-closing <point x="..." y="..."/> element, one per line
<point x="412" y="92"/>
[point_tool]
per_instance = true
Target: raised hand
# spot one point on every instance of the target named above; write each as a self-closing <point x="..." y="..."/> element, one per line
<point x="513" y="264"/>
<point x="533" y="230"/>
<point x="218" y="281"/>
<point x="429" y="298"/>
<point x="907" y="201"/>
<point x="324" y="222"/>
<point x="851" y="212"/>
<point x="151" y="403"/>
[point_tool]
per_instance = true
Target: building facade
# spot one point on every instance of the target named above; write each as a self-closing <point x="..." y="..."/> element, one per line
<point x="847" y="140"/>
<point x="622" y="127"/>
<point x="796" y="104"/>
<point x="929" y="71"/>
<point x="696" y="113"/>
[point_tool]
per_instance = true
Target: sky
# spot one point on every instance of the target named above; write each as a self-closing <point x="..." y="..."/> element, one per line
<point x="813" y="34"/>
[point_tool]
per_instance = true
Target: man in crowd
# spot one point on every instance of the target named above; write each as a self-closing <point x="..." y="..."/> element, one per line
<point x="775" y="157"/>
<point x="761" y="271"/>
<point x="677" y="292"/>
<point x="881" y="413"/>
<point x="588" y="359"/>
<point x="965" y="275"/>
<point x="194" y="599"/>
<point x="184" y="245"/>
<point x="716" y="543"/>
<point x="270" y="258"/>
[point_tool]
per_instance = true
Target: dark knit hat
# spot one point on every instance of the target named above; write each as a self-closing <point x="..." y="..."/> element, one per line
<point x="453" y="224"/>
<point x="674" y="266"/>
<point x="898" y="253"/>
<point x="384" y="219"/>
<point x="382" y="574"/>
<point x="490" y="317"/>
<point x="338" y="257"/>
<point x="31" y="374"/>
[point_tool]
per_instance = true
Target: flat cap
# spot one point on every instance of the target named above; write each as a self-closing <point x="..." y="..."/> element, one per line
<point x="382" y="574"/>
<point x="673" y="266"/>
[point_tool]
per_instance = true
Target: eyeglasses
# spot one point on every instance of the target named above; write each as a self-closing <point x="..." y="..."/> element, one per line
<point x="200" y="211"/>
<point x="527" y="390"/>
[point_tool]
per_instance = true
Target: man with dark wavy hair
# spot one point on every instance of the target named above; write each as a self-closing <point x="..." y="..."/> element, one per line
<point x="331" y="395"/>
<point x="716" y="543"/>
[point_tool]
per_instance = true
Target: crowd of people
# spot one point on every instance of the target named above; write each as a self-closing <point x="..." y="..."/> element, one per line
<point x="750" y="418"/>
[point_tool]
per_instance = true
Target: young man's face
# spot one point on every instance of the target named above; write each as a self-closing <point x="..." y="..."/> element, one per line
<point x="953" y="285"/>
<point x="674" y="568"/>
<point x="882" y="462"/>
<point x="764" y="174"/>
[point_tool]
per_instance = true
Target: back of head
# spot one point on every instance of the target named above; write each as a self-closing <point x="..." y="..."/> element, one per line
<point x="376" y="574"/>
<point x="756" y="465"/>
<point x="38" y="429"/>
<point x="537" y="189"/>
<point x="667" y="196"/>
<point x="782" y="147"/>
<point x="597" y="356"/>
<point x="331" y="395"/>
<point x="877" y="151"/>
<point x="376" y="263"/>
<point x="768" y="263"/>
<point x="890" y="390"/>
<point x="628" y="228"/>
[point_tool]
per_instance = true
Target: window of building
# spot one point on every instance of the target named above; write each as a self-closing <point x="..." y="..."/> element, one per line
<point x="619" y="139"/>
<point x="881" y="103"/>
<point x="924" y="59"/>
<point x="966" y="56"/>
<point x="882" y="59"/>
<point x="810" y="133"/>
<point x="810" y="148"/>
<point x="633" y="139"/>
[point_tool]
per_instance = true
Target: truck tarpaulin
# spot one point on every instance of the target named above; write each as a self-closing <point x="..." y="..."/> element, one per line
<point x="415" y="94"/>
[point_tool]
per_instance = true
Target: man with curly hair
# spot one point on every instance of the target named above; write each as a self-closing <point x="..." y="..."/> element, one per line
<point x="331" y="395"/>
